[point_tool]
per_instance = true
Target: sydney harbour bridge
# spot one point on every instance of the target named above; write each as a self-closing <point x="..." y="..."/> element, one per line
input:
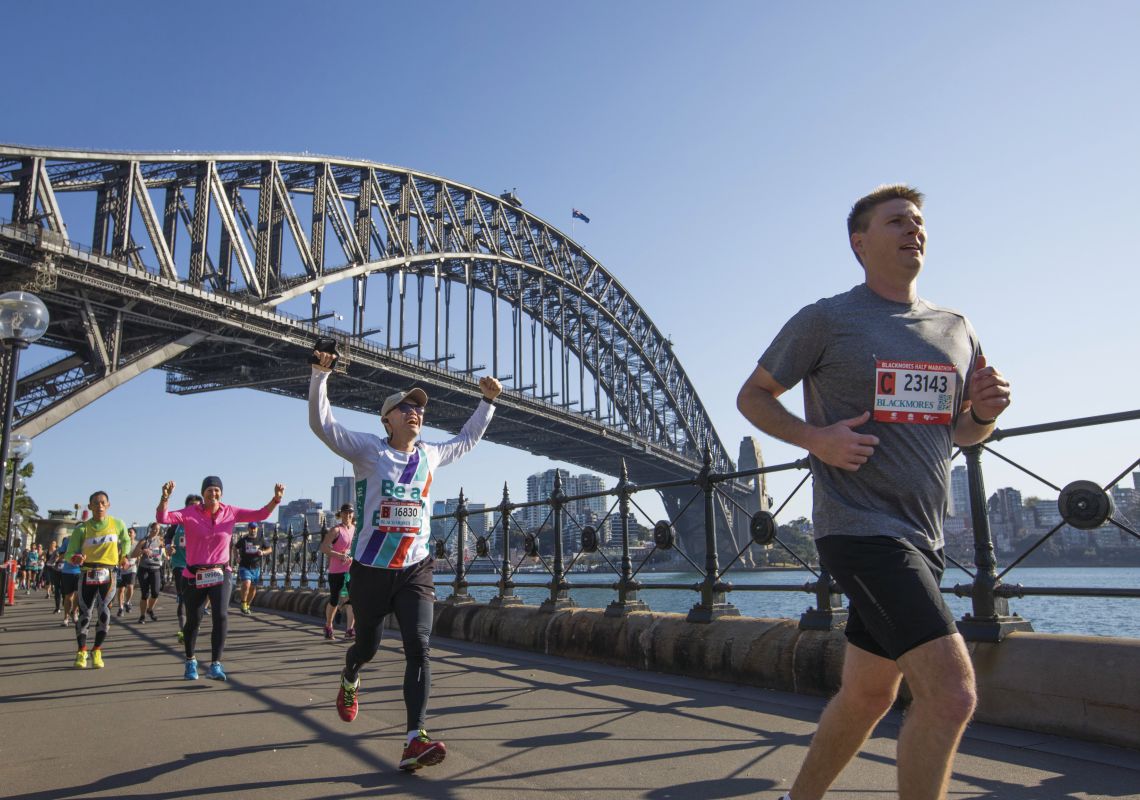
<point x="224" y="269"/>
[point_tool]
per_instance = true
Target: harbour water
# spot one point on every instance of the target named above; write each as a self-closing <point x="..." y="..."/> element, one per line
<point x="1093" y="616"/>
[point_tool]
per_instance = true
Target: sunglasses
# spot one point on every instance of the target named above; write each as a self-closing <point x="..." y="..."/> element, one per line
<point x="408" y="408"/>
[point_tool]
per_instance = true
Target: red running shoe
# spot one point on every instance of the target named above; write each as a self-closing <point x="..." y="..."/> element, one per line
<point x="346" y="703"/>
<point x="422" y="752"/>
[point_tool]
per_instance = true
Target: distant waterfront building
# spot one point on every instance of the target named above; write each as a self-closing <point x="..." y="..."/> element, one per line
<point x="296" y="512"/>
<point x="446" y="529"/>
<point x="1046" y="515"/>
<point x="342" y="492"/>
<point x="959" y="492"/>
<point x="539" y="487"/>
<point x="593" y="508"/>
<point x="1006" y="518"/>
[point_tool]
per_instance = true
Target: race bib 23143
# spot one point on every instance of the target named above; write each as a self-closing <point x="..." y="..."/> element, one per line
<point x="914" y="392"/>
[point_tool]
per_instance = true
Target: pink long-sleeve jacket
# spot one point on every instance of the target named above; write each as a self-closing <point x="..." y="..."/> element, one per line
<point x="208" y="538"/>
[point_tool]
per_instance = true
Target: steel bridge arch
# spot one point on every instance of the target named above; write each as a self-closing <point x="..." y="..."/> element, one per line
<point x="386" y="221"/>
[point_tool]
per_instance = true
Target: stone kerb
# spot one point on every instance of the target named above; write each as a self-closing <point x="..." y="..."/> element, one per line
<point x="1086" y="687"/>
<point x="1078" y="686"/>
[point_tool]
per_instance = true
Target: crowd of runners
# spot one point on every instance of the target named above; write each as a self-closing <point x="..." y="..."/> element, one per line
<point x="892" y="383"/>
<point x="117" y="561"/>
<point x="212" y="553"/>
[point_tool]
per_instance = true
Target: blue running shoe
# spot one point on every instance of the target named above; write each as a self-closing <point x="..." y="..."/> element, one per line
<point x="191" y="673"/>
<point x="216" y="672"/>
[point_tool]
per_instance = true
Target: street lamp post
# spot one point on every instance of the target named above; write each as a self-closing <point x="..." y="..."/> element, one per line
<point x="23" y="320"/>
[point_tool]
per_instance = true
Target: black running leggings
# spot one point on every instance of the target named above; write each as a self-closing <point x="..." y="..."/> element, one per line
<point x="179" y="590"/>
<point x="194" y="598"/>
<point x="409" y="594"/>
<point x="336" y="584"/>
<point x="56" y="588"/>
<point x="150" y="581"/>
<point x="94" y="598"/>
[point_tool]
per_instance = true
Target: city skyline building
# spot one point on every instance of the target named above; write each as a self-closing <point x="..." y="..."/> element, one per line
<point x="444" y="529"/>
<point x="959" y="492"/>
<point x="342" y="492"/>
<point x="540" y="486"/>
<point x="296" y="513"/>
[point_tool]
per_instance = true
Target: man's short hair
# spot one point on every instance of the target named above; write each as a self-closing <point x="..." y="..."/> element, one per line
<point x="860" y="217"/>
<point x="91" y="499"/>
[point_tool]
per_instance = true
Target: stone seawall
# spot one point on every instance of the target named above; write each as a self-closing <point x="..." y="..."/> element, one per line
<point x="1078" y="686"/>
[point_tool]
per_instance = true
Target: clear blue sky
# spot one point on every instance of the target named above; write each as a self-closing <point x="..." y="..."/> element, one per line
<point x="716" y="147"/>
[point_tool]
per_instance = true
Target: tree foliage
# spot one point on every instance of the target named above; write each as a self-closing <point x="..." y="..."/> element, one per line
<point x="25" y="506"/>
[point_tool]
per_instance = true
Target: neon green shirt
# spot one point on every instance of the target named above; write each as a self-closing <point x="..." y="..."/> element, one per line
<point x="104" y="543"/>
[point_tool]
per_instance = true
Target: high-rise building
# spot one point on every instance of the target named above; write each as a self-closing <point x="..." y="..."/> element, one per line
<point x="589" y="511"/>
<point x="295" y="513"/>
<point x="442" y="529"/>
<point x="592" y="507"/>
<point x="539" y="487"/>
<point x="959" y="493"/>
<point x="1007" y="511"/>
<point x="343" y="491"/>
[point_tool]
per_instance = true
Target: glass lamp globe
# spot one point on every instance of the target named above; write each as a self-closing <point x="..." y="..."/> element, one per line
<point x="23" y="317"/>
<point x="19" y="447"/>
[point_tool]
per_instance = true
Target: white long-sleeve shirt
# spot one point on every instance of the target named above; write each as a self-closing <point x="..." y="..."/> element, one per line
<point x="392" y="517"/>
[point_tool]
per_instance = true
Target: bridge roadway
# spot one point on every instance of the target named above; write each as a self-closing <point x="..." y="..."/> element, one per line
<point x="517" y="724"/>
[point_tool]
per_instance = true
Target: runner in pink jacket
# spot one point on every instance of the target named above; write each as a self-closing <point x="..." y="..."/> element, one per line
<point x="209" y="532"/>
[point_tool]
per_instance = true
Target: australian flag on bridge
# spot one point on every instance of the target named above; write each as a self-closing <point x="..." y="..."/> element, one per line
<point x="576" y="214"/>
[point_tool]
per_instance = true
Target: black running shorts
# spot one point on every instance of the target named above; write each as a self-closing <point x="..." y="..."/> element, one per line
<point x="892" y="586"/>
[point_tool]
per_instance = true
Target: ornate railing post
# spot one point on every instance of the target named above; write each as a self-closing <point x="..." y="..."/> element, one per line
<point x="289" y="558"/>
<point x="990" y="620"/>
<point x="305" y="552"/>
<point x="626" y="586"/>
<point x="322" y="569"/>
<point x="559" y="588"/>
<point x="506" y="595"/>
<point x="459" y="595"/>
<point x="273" y="563"/>
<point x="713" y="603"/>
<point x="828" y="613"/>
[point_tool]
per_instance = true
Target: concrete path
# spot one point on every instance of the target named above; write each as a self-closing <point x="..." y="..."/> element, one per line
<point x="517" y="725"/>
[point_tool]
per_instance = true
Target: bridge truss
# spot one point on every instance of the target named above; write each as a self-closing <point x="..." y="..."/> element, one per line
<point x="188" y="262"/>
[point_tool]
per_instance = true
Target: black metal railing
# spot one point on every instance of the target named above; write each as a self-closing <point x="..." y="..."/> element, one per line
<point x="1082" y="504"/>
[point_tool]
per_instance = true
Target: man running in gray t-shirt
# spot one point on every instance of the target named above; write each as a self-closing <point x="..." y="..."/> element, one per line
<point x="891" y="384"/>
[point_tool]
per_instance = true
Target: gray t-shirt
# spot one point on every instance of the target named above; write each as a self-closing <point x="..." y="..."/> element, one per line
<point x="152" y="554"/>
<point x="906" y="363"/>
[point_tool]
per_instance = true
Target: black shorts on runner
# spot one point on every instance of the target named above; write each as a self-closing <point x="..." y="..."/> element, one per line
<point x="68" y="582"/>
<point x="126" y="579"/>
<point x="892" y="586"/>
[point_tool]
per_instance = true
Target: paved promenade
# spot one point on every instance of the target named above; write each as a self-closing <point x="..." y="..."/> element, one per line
<point x="516" y="724"/>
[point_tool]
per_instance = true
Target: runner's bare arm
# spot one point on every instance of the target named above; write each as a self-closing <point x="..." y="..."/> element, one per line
<point x="838" y="444"/>
<point x="160" y="512"/>
<point x="987" y="397"/>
